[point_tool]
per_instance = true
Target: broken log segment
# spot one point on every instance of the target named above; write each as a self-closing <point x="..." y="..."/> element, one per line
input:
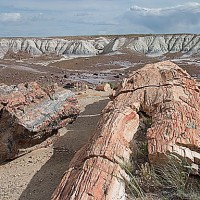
<point x="94" y="172"/>
<point x="30" y="114"/>
<point x="172" y="98"/>
<point x="161" y="90"/>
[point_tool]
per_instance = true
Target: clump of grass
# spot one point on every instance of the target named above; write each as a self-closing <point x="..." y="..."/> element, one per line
<point x="149" y="180"/>
<point x="171" y="181"/>
<point x="174" y="173"/>
<point x="113" y="85"/>
<point x="175" y="179"/>
<point x="132" y="184"/>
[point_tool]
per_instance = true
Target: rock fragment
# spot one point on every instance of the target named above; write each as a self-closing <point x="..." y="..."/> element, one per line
<point x="103" y="87"/>
<point x="30" y="114"/>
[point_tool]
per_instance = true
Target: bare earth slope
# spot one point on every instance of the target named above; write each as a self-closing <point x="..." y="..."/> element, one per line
<point x="152" y="45"/>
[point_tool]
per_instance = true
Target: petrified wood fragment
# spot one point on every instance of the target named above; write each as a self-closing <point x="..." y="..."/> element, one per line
<point x="161" y="90"/>
<point x="30" y="114"/>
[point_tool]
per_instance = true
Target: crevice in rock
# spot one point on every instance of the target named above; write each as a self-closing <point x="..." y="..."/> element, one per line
<point x="100" y="156"/>
<point x="146" y="86"/>
<point x="139" y="143"/>
<point x="1" y="112"/>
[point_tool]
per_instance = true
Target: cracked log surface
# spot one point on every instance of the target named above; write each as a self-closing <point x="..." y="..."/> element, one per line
<point x="30" y="114"/>
<point x="161" y="90"/>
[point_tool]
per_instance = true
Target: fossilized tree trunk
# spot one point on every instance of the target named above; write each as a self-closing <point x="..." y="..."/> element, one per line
<point x="30" y="114"/>
<point x="167" y="94"/>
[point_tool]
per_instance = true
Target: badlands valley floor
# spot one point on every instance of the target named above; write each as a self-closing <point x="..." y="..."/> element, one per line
<point x="92" y="59"/>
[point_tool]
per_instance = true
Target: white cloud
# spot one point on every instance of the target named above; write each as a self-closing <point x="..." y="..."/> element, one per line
<point x="192" y="7"/>
<point x="146" y="11"/>
<point x="181" y="18"/>
<point x="86" y="17"/>
<point x="10" y="17"/>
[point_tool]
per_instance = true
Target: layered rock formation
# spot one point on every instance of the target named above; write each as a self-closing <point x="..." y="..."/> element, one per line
<point x="167" y="94"/>
<point x="40" y="46"/>
<point x="156" y="45"/>
<point x="30" y="114"/>
<point x="152" y="45"/>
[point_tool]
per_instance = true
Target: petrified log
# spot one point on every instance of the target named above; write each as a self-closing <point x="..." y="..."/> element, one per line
<point x="30" y="114"/>
<point x="172" y="98"/>
<point x="167" y="94"/>
<point x="103" y="87"/>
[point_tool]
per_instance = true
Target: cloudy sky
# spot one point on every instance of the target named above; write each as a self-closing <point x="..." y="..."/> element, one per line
<point x="93" y="17"/>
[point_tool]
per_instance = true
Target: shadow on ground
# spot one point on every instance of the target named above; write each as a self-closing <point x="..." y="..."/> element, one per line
<point x="44" y="182"/>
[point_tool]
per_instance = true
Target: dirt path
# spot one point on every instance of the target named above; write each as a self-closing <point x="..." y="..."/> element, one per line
<point x="35" y="175"/>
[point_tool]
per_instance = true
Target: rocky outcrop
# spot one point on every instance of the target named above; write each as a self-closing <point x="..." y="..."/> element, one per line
<point x="152" y="45"/>
<point x="157" y="45"/>
<point x="40" y="46"/>
<point x="94" y="172"/>
<point x="167" y="94"/>
<point x="30" y="114"/>
<point x="115" y="44"/>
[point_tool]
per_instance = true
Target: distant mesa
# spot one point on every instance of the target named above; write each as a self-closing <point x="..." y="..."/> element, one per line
<point x="150" y="45"/>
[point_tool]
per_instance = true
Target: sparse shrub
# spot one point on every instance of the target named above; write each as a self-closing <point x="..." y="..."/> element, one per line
<point x="132" y="185"/>
<point x="149" y="180"/>
<point x="171" y="181"/>
<point x="175" y="179"/>
<point x="113" y="85"/>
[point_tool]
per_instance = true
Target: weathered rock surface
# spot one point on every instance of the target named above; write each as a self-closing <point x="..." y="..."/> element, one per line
<point x="172" y="98"/>
<point x="167" y="94"/>
<point x="30" y="114"/>
<point x="39" y="46"/>
<point x="152" y="45"/>
<point x="103" y="87"/>
<point x="157" y="45"/>
<point x="94" y="172"/>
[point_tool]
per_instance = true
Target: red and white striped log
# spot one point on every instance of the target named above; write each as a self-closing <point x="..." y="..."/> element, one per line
<point x="167" y="94"/>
